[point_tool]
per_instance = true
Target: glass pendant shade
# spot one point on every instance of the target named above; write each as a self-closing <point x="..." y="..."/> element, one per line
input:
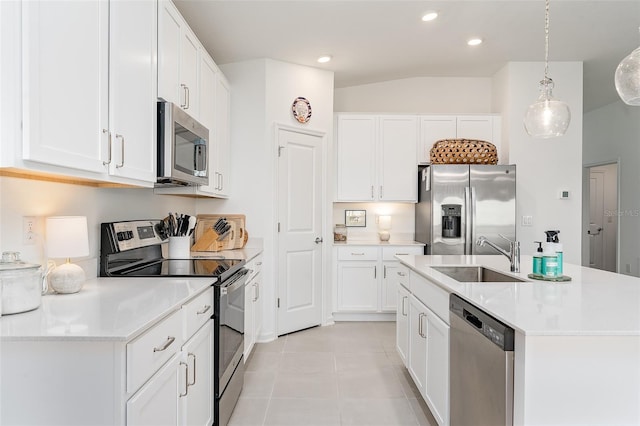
<point x="627" y="79"/>
<point x="547" y="117"/>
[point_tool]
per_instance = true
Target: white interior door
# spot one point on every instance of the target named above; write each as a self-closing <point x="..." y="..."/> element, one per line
<point x="300" y="231"/>
<point x="596" y="210"/>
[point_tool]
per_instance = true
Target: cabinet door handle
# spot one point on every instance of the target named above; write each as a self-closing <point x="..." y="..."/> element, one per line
<point x="106" y="163"/>
<point x="188" y="97"/>
<point x="194" y="369"/>
<point x="375" y="272"/>
<point x="167" y="343"/>
<point x="184" y="92"/>
<point x="255" y="292"/>
<point x="204" y="310"/>
<point x="372" y="192"/>
<point x="420" y="328"/>
<point x="186" y="379"/>
<point x="121" y="151"/>
<point x="221" y="181"/>
<point x="384" y="272"/>
<point x="381" y="192"/>
<point x="404" y="311"/>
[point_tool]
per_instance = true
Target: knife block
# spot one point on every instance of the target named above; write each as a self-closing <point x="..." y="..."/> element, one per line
<point x="206" y="239"/>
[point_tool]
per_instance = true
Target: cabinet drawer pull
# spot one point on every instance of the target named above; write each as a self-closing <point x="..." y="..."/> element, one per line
<point x="401" y="254"/>
<point x="259" y="263"/>
<point x="204" y="310"/>
<point x="186" y="379"/>
<point x="194" y="369"/>
<point x="170" y="340"/>
<point x="402" y="274"/>
<point x="357" y="254"/>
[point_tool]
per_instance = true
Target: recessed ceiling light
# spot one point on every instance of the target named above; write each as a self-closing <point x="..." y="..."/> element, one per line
<point x="324" y="59"/>
<point x="474" y="41"/>
<point x="430" y="16"/>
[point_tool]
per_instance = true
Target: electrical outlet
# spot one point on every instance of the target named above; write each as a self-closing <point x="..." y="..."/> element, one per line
<point x="29" y="230"/>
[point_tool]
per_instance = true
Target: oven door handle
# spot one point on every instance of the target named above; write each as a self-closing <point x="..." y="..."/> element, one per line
<point x="238" y="281"/>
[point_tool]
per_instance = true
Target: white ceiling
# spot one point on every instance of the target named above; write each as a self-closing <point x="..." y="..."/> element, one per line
<point x="373" y="41"/>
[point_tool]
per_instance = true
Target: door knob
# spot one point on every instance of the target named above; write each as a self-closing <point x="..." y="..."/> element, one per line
<point x="318" y="240"/>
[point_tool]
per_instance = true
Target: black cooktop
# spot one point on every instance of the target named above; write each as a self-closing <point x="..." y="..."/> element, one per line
<point x="134" y="249"/>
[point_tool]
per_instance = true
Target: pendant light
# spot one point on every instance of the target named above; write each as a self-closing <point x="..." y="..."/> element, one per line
<point x="628" y="78"/>
<point x="547" y="117"/>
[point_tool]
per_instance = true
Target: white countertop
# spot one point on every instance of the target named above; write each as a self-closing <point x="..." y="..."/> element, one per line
<point x="105" y="309"/>
<point x="376" y="243"/>
<point x="594" y="303"/>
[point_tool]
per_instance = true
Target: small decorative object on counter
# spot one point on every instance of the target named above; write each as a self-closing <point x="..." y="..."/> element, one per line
<point x="537" y="259"/>
<point x="463" y="151"/>
<point x="340" y="232"/>
<point x="384" y="224"/>
<point x="67" y="237"/>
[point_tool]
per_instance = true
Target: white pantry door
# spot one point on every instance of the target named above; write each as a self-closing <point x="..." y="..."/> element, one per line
<point x="300" y="231"/>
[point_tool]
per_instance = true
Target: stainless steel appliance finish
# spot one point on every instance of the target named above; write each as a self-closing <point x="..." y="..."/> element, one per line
<point x="458" y="203"/>
<point x="183" y="148"/>
<point x="475" y="274"/>
<point x="228" y="322"/>
<point x="481" y="367"/>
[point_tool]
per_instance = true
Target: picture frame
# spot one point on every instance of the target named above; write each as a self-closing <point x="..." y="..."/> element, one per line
<point x="355" y="218"/>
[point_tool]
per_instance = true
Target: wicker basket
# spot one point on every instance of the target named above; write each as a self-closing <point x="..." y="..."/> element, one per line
<point x="463" y="151"/>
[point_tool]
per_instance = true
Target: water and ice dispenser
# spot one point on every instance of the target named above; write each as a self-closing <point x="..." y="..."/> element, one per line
<point x="451" y="216"/>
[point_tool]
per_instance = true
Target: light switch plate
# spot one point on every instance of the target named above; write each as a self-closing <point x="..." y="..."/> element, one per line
<point x="527" y="220"/>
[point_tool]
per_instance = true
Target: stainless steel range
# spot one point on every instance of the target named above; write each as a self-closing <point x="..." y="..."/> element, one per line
<point x="134" y="249"/>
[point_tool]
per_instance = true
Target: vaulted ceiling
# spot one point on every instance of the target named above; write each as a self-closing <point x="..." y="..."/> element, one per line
<point x="373" y="41"/>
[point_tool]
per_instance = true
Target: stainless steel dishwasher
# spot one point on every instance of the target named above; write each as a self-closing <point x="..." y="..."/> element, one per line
<point x="481" y="367"/>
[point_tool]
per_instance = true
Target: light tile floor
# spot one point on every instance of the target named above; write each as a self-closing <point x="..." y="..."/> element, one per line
<point x="345" y="374"/>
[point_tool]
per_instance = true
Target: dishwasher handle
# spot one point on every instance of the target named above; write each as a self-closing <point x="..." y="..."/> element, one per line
<point x="472" y="319"/>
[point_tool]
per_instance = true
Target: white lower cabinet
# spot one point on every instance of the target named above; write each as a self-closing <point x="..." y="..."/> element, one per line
<point x="402" y="324"/>
<point x="155" y="403"/>
<point x="253" y="305"/>
<point x="423" y="339"/>
<point x="365" y="277"/>
<point x="196" y="400"/>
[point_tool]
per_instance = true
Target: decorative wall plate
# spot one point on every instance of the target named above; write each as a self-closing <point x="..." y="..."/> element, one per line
<point x="301" y="109"/>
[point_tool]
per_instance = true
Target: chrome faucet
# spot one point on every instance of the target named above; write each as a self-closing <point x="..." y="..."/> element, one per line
<point x="513" y="254"/>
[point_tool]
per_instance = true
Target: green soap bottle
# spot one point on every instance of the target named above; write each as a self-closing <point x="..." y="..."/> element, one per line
<point x="537" y="259"/>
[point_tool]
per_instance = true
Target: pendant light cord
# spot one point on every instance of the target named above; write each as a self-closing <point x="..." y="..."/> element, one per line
<point x="546" y="41"/>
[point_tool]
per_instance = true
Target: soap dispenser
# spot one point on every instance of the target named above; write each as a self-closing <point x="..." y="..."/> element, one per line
<point x="537" y="259"/>
<point x="556" y="246"/>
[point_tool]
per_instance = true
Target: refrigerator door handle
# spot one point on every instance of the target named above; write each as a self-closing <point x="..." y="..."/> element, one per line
<point x="472" y="219"/>
<point x="468" y="241"/>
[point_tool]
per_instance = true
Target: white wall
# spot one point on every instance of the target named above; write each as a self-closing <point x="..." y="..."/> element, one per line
<point x="262" y="92"/>
<point x="27" y="197"/>
<point x="427" y="95"/>
<point x="612" y="133"/>
<point x="544" y="166"/>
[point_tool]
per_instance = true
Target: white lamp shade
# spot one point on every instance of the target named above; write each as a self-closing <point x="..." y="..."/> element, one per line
<point x="67" y="236"/>
<point x="384" y="222"/>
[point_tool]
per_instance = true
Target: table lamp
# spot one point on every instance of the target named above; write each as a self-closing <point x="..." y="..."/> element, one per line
<point x="67" y="237"/>
<point x="384" y="224"/>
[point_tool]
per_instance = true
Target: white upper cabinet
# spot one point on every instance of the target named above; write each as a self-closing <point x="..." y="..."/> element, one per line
<point x="436" y="127"/>
<point x="178" y="60"/>
<point x="65" y="83"/>
<point x="132" y="89"/>
<point x="222" y="159"/>
<point x="89" y="87"/>
<point x="375" y="157"/>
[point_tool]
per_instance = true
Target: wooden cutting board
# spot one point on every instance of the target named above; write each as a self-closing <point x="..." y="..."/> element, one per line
<point x="206" y="239"/>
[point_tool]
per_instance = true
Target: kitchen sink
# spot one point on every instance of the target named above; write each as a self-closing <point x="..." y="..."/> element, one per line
<point x="475" y="274"/>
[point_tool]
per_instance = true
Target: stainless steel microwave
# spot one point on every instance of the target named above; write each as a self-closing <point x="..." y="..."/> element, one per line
<point x="183" y="148"/>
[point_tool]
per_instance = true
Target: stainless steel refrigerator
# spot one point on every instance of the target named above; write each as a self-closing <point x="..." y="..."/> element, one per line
<point x="459" y="203"/>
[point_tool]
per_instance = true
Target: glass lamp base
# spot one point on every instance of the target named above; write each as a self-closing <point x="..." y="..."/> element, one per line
<point x="67" y="278"/>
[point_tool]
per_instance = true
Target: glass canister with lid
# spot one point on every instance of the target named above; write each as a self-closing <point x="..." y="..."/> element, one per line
<point x="21" y="284"/>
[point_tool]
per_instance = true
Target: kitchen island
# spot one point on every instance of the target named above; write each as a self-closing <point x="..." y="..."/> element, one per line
<point x="577" y="343"/>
